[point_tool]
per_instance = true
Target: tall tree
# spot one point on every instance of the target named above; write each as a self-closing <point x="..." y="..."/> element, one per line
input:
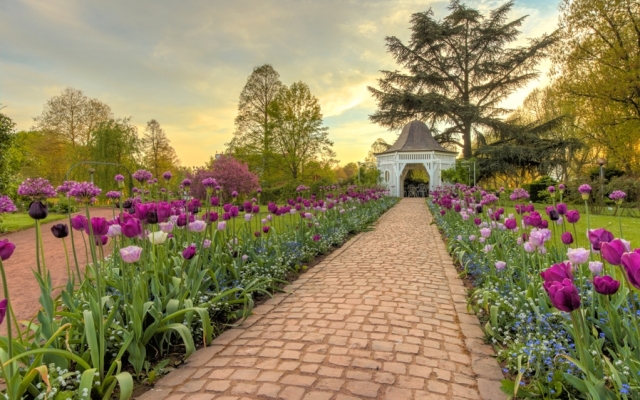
<point x="296" y="125"/>
<point x="115" y="141"/>
<point x="379" y="146"/>
<point x="72" y="115"/>
<point x="252" y="140"/>
<point x="597" y="69"/>
<point x="457" y="71"/>
<point x="7" y="135"/>
<point x="159" y="156"/>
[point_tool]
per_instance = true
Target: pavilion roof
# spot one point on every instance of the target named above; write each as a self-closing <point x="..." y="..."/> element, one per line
<point x="415" y="137"/>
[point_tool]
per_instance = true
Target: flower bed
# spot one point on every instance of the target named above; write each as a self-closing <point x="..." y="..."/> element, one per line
<point x="178" y="271"/>
<point x="563" y="318"/>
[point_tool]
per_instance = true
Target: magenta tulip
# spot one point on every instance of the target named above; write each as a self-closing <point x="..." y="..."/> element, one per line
<point x="189" y="252"/>
<point x="612" y="251"/>
<point x="599" y="236"/>
<point x="605" y="285"/>
<point x="562" y="208"/>
<point x="567" y="238"/>
<point x="557" y="273"/>
<point x="99" y="226"/>
<point x="573" y="216"/>
<point x="631" y="264"/>
<point x="563" y="295"/>
<point x="511" y="224"/>
<point x="132" y="228"/>
<point x="79" y="223"/>
<point x="3" y="309"/>
<point x="6" y="249"/>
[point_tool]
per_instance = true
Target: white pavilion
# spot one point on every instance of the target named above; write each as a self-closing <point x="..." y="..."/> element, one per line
<point x="415" y="149"/>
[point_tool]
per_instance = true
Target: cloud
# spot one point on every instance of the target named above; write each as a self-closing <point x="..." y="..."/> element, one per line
<point x="185" y="64"/>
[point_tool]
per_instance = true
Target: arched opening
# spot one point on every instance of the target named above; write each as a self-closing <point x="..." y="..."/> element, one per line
<point x="415" y="181"/>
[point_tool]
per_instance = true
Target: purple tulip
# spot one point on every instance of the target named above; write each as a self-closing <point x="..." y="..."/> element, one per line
<point x="6" y="249"/>
<point x="101" y="240"/>
<point x="79" y="223"/>
<point x="573" y="216"/>
<point x="99" y="226"/>
<point x="631" y="264"/>
<point x="563" y="295"/>
<point x="477" y="221"/>
<point x="511" y="224"/>
<point x="443" y="211"/>
<point x="554" y="215"/>
<point x="141" y="211"/>
<point x="132" y="228"/>
<point x="3" y="309"/>
<point x="605" y="285"/>
<point x="599" y="236"/>
<point x="163" y="210"/>
<point x="567" y="238"/>
<point x="266" y="229"/>
<point x="562" y="208"/>
<point x="227" y="207"/>
<point x="256" y="209"/>
<point x="215" y="201"/>
<point x="234" y="211"/>
<point x="189" y="252"/>
<point x="316" y="237"/>
<point x="557" y="273"/>
<point x="612" y="251"/>
<point x="210" y="217"/>
<point x="544" y="224"/>
<point x="60" y="231"/>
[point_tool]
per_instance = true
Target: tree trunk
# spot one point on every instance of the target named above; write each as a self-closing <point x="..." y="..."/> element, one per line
<point x="466" y="141"/>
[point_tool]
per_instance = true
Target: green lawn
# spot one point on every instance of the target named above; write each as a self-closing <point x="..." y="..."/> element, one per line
<point x="20" y="221"/>
<point x="630" y="226"/>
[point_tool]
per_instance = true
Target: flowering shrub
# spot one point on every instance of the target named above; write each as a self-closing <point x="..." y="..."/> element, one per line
<point x="234" y="176"/>
<point x="163" y="273"/>
<point x="564" y="318"/>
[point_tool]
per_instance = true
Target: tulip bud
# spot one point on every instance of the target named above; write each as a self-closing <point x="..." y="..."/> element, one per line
<point x="37" y="210"/>
<point x="60" y="231"/>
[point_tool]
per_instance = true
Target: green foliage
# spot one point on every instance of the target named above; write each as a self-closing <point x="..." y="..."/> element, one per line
<point x="538" y="189"/>
<point x="7" y="133"/>
<point x="458" y="174"/>
<point x="456" y="71"/>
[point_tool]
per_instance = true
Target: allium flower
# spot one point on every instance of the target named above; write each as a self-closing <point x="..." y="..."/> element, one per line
<point x="130" y="254"/>
<point x="113" y="194"/>
<point x="119" y="178"/>
<point x="84" y="191"/>
<point x="500" y="265"/>
<point x="209" y="183"/>
<point x="519" y="194"/>
<point x="142" y="175"/>
<point x="167" y="176"/>
<point x="618" y="196"/>
<point x="605" y="285"/>
<point x="197" y="226"/>
<point x="186" y="183"/>
<point x="234" y="194"/>
<point x="65" y="187"/>
<point x="595" y="267"/>
<point x="551" y="189"/>
<point x="584" y="190"/>
<point x="578" y="256"/>
<point x="6" y="249"/>
<point x="6" y="205"/>
<point x="37" y="188"/>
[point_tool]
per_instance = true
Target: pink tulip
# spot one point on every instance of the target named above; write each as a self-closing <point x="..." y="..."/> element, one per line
<point x="130" y="254"/>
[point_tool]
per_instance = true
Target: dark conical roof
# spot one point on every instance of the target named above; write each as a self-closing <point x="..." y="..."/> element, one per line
<point x="416" y="136"/>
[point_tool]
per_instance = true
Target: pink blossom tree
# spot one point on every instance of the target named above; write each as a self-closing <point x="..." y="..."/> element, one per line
<point x="197" y="189"/>
<point x="233" y="175"/>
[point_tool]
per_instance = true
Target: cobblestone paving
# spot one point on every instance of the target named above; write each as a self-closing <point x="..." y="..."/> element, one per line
<point x="384" y="317"/>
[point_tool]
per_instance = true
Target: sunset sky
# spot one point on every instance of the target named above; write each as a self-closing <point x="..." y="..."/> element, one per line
<point x="185" y="63"/>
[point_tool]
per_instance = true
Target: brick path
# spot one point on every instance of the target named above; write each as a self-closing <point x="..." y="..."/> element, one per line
<point x="384" y="317"/>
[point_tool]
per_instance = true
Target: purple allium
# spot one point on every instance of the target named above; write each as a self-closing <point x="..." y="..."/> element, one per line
<point x="167" y="175"/>
<point x="519" y="194"/>
<point x="259" y="190"/>
<point x="617" y="196"/>
<point x="37" y="188"/>
<point x="234" y="194"/>
<point x="84" y="191"/>
<point x="551" y="189"/>
<point x="113" y="195"/>
<point x="301" y="188"/>
<point x="561" y="187"/>
<point x="186" y="183"/>
<point x="6" y="205"/>
<point x="119" y="178"/>
<point x="209" y="183"/>
<point x="584" y="189"/>
<point x="65" y="187"/>
<point x="142" y="175"/>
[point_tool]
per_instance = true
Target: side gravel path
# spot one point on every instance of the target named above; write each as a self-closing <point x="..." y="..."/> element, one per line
<point x="384" y="317"/>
